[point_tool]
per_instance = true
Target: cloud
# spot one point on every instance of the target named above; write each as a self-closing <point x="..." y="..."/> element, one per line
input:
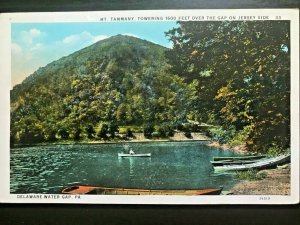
<point x="36" y="47"/>
<point x="35" y="32"/>
<point x="30" y="51"/>
<point x="84" y="38"/>
<point x="28" y="36"/>
<point x="16" y="49"/>
<point x="27" y="51"/>
<point x="72" y="39"/>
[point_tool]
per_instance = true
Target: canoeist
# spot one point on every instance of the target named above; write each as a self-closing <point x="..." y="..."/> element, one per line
<point x="131" y="152"/>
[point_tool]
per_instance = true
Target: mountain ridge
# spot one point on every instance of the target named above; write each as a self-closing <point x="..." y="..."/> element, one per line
<point x="121" y="80"/>
<point x="118" y="38"/>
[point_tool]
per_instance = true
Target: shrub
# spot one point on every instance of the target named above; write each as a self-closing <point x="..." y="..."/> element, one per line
<point x="29" y="137"/>
<point x="240" y="137"/>
<point x="171" y="133"/>
<point x="251" y="175"/>
<point x="102" y="133"/>
<point x="148" y="130"/>
<point x="50" y="136"/>
<point x="63" y="133"/>
<point x="90" y="131"/>
<point x="155" y="134"/>
<point x="112" y="129"/>
<point x="76" y="135"/>
<point x="129" y="133"/>
<point x="163" y="131"/>
<point x="188" y="134"/>
<point x="275" y="150"/>
<point x="222" y="135"/>
<point x="179" y="127"/>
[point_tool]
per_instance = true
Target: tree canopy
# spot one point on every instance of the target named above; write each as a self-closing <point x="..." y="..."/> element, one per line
<point x="243" y="74"/>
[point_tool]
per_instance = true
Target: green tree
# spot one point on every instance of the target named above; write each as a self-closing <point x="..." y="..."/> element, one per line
<point x="103" y="131"/>
<point x="129" y="133"/>
<point x="90" y="131"/>
<point x="112" y="129"/>
<point x="63" y="133"/>
<point x="243" y="74"/>
<point x="148" y="130"/>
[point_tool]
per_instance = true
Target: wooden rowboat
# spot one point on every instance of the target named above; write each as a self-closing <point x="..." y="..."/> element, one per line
<point x="134" y="155"/>
<point x="82" y="190"/>
<point x="260" y="164"/>
<point x="232" y="162"/>
<point x="248" y="157"/>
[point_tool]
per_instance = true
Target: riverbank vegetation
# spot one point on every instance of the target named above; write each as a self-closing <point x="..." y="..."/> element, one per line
<point x="251" y="175"/>
<point x="229" y="80"/>
<point x="242" y="71"/>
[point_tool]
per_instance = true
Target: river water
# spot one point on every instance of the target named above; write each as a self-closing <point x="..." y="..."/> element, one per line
<point x="172" y="165"/>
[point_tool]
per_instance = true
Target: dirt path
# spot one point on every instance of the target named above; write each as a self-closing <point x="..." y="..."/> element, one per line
<point x="178" y="136"/>
<point x="277" y="182"/>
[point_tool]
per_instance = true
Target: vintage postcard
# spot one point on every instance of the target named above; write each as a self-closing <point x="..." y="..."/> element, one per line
<point x="150" y="107"/>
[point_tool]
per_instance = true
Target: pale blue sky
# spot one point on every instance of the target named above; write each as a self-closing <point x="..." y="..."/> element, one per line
<point x="35" y="45"/>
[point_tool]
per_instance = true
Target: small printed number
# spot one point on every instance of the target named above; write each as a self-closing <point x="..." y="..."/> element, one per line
<point x="264" y="198"/>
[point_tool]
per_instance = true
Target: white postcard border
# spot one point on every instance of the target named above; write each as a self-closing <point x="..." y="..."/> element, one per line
<point x="199" y="15"/>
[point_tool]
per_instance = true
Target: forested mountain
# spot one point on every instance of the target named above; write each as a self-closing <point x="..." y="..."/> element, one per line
<point x="121" y="80"/>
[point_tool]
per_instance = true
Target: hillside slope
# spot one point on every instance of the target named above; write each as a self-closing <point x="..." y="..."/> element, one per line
<point x="121" y="80"/>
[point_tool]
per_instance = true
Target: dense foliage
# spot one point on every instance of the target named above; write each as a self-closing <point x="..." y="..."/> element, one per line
<point x="243" y="74"/>
<point x="120" y="81"/>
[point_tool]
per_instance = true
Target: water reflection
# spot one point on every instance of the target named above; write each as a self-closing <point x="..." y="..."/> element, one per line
<point x="131" y="166"/>
<point x="134" y="164"/>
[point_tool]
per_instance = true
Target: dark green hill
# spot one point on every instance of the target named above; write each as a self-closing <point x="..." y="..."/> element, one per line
<point x="121" y="80"/>
<point x="126" y="51"/>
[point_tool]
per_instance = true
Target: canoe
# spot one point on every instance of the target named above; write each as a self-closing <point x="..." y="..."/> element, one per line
<point x="232" y="162"/>
<point x="92" y="190"/>
<point x="134" y="155"/>
<point x="248" y="157"/>
<point x="260" y="164"/>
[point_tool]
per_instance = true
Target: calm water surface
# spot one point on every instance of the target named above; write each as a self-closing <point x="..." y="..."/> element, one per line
<point x="48" y="169"/>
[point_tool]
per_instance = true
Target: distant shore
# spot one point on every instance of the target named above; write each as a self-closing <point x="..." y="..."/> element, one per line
<point x="138" y="138"/>
<point x="178" y="136"/>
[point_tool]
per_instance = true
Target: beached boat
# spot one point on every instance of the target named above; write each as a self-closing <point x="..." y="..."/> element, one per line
<point x="246" y="157"/>
<point x="232" y="162"/>
<point x="134" y="155"/>
<point x="82" y="190"/>
<point x="260" y="164"/>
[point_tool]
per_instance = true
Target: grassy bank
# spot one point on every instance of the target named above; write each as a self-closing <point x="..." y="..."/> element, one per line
<point x="271" y="182"/>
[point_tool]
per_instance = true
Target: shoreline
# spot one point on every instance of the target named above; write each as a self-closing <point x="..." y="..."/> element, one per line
<point x="139" y="138"/>
<point x="108" y="143"/>
<point x="241" y="149"/>
<point x="276" y="182"/>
